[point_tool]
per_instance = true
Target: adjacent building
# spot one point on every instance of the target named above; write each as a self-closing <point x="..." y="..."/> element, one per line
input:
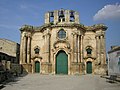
<point x="114" y="60"/>
<point x="63" y="46"/>
<point x="9" y="53"/>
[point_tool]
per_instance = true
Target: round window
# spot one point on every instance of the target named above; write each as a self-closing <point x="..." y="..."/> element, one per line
<point x="61" y="34"/>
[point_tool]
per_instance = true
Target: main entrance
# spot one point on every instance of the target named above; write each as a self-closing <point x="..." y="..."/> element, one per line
<point x="61" y="63"/>
<point x="37" y="66"/>
<point x="89" y="67"/>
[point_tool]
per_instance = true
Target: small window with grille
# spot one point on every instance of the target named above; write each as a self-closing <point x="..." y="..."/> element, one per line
<point x="37" y="50"/>
<point x="89" y="51"/>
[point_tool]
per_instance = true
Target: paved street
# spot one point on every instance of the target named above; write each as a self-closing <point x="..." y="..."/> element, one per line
<point x="61" y="82"/>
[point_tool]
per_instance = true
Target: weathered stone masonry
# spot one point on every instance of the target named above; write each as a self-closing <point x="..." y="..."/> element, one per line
<point x="63" y="39"/>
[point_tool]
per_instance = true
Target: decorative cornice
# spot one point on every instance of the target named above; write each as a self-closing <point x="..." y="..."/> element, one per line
<point x="27" y="28"/>
<point x="89" y="56"/>
<point x="36" y="56"/>
<point x="71" y="25"/>
<point x="96" y="27"/>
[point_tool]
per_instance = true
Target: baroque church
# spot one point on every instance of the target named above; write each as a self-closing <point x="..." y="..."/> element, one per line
<point x="63" y="46"/>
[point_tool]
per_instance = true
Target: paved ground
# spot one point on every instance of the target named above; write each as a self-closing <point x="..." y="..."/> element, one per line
<point x="61" y="82"/>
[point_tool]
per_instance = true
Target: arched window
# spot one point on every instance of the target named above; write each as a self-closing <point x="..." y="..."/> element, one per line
<point x="37" y="50"/>
<point x="89" y="50"/>
<point x="61" y="34"/>
<point x="72" y="17"/>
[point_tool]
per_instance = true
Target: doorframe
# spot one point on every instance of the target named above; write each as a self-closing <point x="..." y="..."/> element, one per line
<point x="54" y="60"/>
<point x="35" y="66"/>
<point x="91" y="67"/>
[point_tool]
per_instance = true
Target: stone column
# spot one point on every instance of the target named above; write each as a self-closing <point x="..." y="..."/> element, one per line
<point x="47" y="47"/>
<point x="81" y="48"/>
<point x="75" y="47"/>
<point x="67" y="16"/>
<point x="56" y="16"/>
<point x="78" y="48"/>
<point x="98" y="51"/>
<point x="28" y="49"/>
<point x="21" y="48"/>
<point x="47" y="18"/>
<point x="76" y="17"/>
<point x="102" y="49"/>
<point x="25" y="50"/>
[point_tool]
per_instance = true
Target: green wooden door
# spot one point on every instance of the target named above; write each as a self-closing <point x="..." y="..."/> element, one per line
<point x="37" y="67"/>
<point x="89" y="67"/>
<point x="61" y="63"/>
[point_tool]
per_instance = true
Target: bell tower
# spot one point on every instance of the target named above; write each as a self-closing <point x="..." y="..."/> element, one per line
<point x="62" y="16"/>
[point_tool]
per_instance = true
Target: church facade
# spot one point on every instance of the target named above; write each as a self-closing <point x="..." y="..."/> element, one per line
<point x="63" y="46"/>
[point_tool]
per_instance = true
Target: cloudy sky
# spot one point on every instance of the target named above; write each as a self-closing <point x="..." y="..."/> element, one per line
<point x="15" y="13"/>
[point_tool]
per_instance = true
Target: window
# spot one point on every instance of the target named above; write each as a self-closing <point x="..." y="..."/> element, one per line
<point x="89" y="51"/>
<point x="37" y="50"/>
<point x="61" y="15"/>
<point x="51" y="17"/>
<point x="72" y="18"/>
<point x="61" y="34"/>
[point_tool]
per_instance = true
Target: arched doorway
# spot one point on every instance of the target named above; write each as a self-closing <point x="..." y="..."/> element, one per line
<point x="89" y="67"/>
<point x="61" y="63"/>
<point x="37" y="66"/>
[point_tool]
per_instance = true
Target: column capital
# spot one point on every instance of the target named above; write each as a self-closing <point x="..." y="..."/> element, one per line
<point x="97" y="37"/>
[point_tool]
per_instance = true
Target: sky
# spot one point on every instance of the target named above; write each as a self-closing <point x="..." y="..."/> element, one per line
<point x="16" y="13"/>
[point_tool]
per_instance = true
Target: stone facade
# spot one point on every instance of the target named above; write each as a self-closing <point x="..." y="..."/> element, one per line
<point x="62" y="33"/>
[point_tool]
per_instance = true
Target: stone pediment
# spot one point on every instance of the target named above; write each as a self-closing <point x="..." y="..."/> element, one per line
<point x="36" y="56"/>
<point x="61" y="44"/>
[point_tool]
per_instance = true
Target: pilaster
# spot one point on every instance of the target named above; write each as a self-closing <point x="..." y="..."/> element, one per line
<point x="21" y="48"/>
<point x="47" y="46"/>
<point x="102" y="49"/>
<point x="78" y="48"/>
<point x="75" y="48"/>
<point x="67" y="16"/>
<point x="25" y="50"/>
<point x="55" y="16"/>
<point x="76" y="17"/>
<point x="81" y="48"/>
<point x="28" y="49"/>
<point x="47" y="18"/>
